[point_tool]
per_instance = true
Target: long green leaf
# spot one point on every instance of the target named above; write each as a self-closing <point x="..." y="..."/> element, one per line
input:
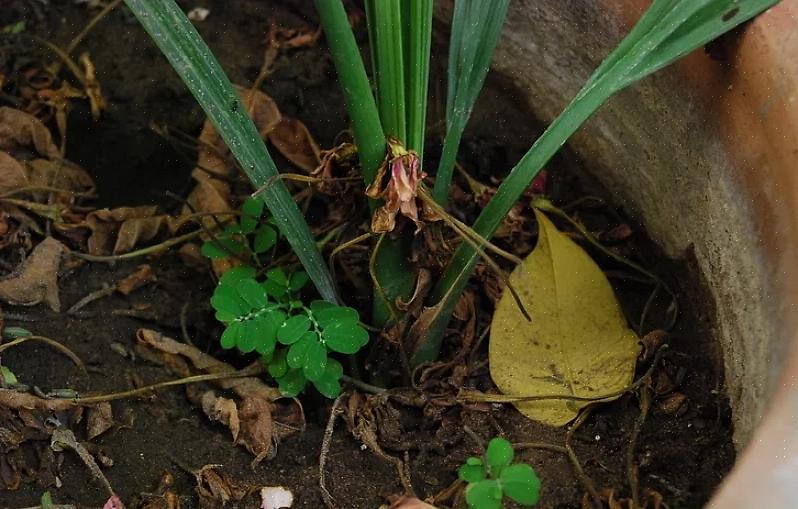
<point x="385" y="17"/>
<point x="360" y="104"/>
<point x="668" y="30"/>
<point x="417" y="33"/>
<point x="476" y="26"/>
<point x="198" y="68"/>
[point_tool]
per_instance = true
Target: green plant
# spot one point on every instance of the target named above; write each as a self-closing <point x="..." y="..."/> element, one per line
<point x="400" y="35"/>
<point x="265" y="314"/>
<point x="494" y="476"/>
<point x="247" y="239"/>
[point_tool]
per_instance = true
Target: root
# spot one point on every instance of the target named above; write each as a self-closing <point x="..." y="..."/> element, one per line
<point x="51" y="342"/>
<point x="140" y="252"/>
<point x="105" y="291"/>
<point x="336" y="410"/>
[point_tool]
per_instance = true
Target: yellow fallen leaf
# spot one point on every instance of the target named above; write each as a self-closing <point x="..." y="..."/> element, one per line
<point x="578" y="342"/>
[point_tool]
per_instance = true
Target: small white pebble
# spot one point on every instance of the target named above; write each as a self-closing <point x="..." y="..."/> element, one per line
<point x="276" y="497"/>
<point x="198" y="14"/>
<point x="598" y="437"/>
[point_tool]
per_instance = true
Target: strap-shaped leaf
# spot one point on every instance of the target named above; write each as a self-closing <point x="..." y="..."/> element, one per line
<point x="198" y="68"/>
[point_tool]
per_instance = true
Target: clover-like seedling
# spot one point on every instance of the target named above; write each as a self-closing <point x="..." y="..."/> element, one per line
<point x="493" y="477"/>
<point x="249" y="237"/>
<point x="266" y="315"/>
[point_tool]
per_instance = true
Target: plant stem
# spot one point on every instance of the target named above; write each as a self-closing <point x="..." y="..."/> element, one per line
<point x="360" y="104"/>
<point x="417" y="18"/>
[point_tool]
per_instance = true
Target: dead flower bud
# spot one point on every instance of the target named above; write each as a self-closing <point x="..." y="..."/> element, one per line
<point x="396" y="183"/>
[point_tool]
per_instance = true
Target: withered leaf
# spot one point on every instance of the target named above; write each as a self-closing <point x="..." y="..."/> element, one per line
<point x="12" y="173"/>
<point x="215" y="489"/>
<point x="37" y="279"/>
<point x="223" y="410"/>
<point x="143" y="275"/>
<point x="21" y="130"/>
<point x="293" y="140"/>
<point x="257" y="431"/>
<point x="124" y="228"/>
<point x="99" y="419"/>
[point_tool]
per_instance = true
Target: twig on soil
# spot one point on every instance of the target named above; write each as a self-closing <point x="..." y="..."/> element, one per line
<point x="64" y="438"/>
<point x="631" y="468"/>
<point x="184" y="323"/>
<point x="363" y="386"/>
<point x="345" y="245"/>
<point x="247" y="372"/>
<point x="473" y="435"/>
<point x="53" y="343"/>
<point x="540" y="445"/>
<point x="140" y="252"/>
<point x="586" y="481"/>
<point x="90" y="25"/>
<point x="297" y="177"/>
<point x="105" y="291"/>
<point x="335" y="411"/>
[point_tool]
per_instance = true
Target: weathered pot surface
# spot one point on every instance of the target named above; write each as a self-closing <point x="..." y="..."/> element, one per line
<point x="702" y="154"/>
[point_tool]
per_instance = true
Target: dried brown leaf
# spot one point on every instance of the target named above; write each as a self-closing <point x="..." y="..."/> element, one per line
<point x="124" y="228"/>
<point x="12" y="173"/>
<point x="143" y="275"/>
<point x="223" y="410"/>
<point x="37" y="279"/>
<point x="216" y="489"/>
<point x="21" y="130"/>
<point x="257" y="431"/>
<point x="99" y="419"/>
<point x="293" y="140"/>
<point x="58" y="174"/>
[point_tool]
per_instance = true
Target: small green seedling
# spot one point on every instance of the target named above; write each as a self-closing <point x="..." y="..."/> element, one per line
<point x="247" y="238"/>
<point x="493" y="477"/>
<point x="267" y="316"/>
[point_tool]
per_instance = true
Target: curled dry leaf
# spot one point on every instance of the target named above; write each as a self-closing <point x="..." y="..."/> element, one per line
<point x="143" y="275"/>
<point x="293" y="140"/>
<point x="276" y="497"/>
<point x="99" y="419"/>
<point x="124" y="228"/>
<point x="221" y="409"/>
<point x="37" y="279"/>
<point x="216" y="489"/>
<point x="578" y="342"/>
<point x="21" y="130"/>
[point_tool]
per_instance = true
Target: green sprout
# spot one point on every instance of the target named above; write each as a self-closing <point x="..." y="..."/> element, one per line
<point x="266" y="314"/>
<point x="494" y="476"/>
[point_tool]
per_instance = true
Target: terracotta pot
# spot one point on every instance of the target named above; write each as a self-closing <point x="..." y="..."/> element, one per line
<point x="703" y="154"/>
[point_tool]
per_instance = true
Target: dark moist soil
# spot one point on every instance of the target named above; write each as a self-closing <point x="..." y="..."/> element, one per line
<point x="681" y="456"/>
